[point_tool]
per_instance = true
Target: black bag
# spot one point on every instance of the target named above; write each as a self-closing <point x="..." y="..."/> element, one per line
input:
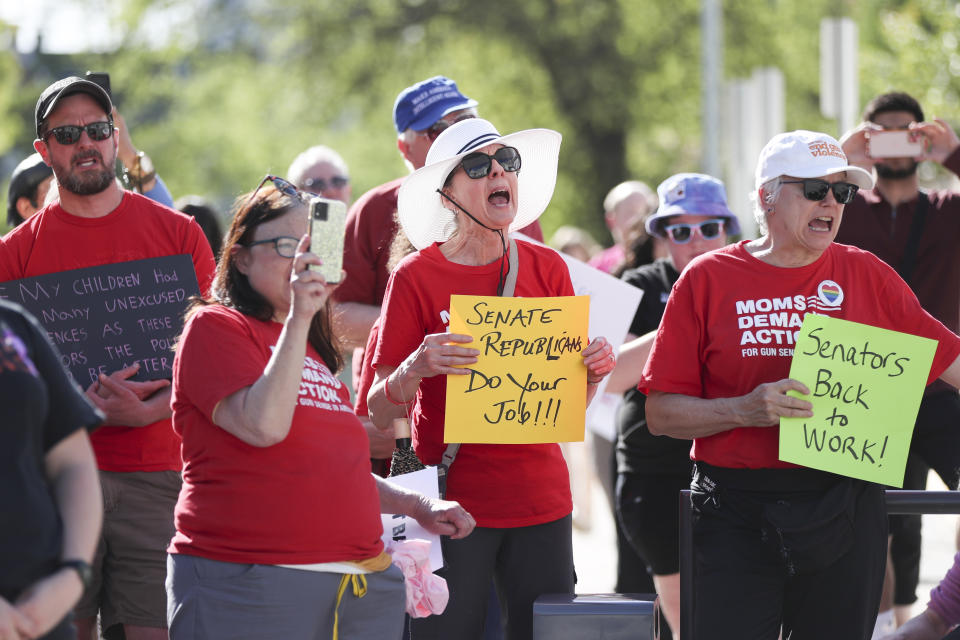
<point x="811" y="533"/>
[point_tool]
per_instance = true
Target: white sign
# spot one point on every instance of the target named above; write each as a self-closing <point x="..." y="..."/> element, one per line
<point x="401" y="527"/>
<point x="613" y="303"/>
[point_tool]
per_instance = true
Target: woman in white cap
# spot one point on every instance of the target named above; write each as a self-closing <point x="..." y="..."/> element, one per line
<point x="778" y="548"/>
<point x="692" y="219"/>
<point x="458" y="211"/>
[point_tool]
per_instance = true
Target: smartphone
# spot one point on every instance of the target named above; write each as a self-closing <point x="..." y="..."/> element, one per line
<point x="896" y="144"/>
<point x="101" y="78"/>
<point x="328" y="220"/>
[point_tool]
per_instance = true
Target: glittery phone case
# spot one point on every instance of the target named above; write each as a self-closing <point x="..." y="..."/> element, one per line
<point x="327" y="222"/>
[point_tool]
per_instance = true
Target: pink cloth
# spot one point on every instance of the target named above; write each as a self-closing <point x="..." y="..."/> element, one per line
<point x="609" y="259"/>
<point x="427" y="593"/>
<point x="945" y="597"/>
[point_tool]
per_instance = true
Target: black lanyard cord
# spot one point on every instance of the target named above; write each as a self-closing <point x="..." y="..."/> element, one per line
<point x="503" y="242"/>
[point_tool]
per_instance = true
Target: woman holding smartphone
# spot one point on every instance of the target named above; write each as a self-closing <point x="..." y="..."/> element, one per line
<point x="278" y="523"/>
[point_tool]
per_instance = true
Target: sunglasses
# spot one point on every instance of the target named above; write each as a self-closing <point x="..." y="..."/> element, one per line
<point x="283" y="186"/>
<point x="433" y="132"/>
<point x="70" y="134"/>
<point x="285" y="246"/>
<point x="477" y="164"/>
<point x="316" y="185"/>
<point x="682" y="233"/>
<point x="816" y="189"/>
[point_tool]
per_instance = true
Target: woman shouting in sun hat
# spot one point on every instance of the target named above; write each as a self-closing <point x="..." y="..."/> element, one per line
<point x="458" y="210"/>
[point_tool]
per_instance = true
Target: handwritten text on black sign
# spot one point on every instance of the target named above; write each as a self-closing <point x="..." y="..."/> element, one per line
<point x="108" y="317"/>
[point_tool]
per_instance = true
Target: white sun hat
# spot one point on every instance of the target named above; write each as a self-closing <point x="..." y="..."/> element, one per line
<point x="423" y="214"/>
<point x="807" y="154"/>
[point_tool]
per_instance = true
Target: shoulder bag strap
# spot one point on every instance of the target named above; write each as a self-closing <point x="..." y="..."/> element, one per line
<point x="450" y="453"/>
<point x="908" y="262"/>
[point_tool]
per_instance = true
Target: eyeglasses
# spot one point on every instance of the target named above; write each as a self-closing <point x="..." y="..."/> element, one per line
<point x="70" y="134"/>
<point x="316" y="185"/>
<point x="477" y="165"/>
<point x="682" y="233"/>
<point x="283" y="186"/>
<point x="433" y="132"/>
<point x="816" y="189"/>
<point x="285" y="246"/>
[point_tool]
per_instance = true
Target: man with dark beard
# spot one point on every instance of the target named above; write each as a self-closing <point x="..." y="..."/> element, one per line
<point x="94" y="223"/>
<point x="917" y="233"/>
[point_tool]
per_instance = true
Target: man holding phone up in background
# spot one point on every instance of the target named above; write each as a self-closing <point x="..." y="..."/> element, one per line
<point x="916" y="233"/>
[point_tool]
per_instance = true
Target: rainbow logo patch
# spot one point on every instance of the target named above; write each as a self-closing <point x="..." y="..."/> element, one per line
<point x="830" y="293"/>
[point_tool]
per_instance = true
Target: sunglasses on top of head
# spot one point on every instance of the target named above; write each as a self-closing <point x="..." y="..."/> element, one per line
<point x="682" y="232"/>
<point x="283" y="186"/>
<point x="816" y="189"/>
<point x="70" y="134"/>
<point x="477" y="164"/>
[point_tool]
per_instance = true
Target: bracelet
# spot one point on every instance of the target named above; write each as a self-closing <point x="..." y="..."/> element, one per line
<point x="386" y="391"/>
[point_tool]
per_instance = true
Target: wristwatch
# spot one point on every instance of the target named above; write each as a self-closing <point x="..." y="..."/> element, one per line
<point x="142" y="171"/>
<point x="83" y="569"/>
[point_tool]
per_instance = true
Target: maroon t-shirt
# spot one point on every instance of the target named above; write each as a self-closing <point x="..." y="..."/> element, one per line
<point x="871" y="223"/>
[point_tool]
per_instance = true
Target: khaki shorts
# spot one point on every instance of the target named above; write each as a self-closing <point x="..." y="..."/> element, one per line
<point x="130" y="566"/>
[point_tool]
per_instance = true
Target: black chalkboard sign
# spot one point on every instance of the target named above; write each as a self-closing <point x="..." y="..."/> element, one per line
<point x="108" y="317"/>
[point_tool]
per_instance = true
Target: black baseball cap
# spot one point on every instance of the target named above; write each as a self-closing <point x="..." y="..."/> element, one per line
<point x="24" y="181"/>
<point x="60" y="89"/>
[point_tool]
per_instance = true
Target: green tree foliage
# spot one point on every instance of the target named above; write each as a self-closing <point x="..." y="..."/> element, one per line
<point x="11" y="125"/>
<point x="239" y="87"/>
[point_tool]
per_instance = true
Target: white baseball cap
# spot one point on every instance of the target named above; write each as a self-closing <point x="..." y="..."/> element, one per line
<point x="807" y="154"/>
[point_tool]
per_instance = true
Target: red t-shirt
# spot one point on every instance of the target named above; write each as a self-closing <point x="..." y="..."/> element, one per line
<point x="500" y="485"/>
<point x="366" y="249"/>
<point x="54" y="240"/>
<point x="366" y="371"/>
<point x="310" y="498"/>
<point x="732" y="319"/>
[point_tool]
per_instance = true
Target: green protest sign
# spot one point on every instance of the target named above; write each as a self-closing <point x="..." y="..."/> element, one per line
<point x="865" y="385"/>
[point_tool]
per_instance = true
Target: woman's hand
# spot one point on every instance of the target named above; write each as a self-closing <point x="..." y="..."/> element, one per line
<point x="765" y="405"/>
<point x="686" y="417"/>
<point x="394" y="389"/>
<point x="443" y="517"/>
<point x="599" y="359"/>
<point x="435" y="356"/>
<point x="308" y="289"/>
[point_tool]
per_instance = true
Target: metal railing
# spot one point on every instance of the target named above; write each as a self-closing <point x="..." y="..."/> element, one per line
<point x="898" y="502"/>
